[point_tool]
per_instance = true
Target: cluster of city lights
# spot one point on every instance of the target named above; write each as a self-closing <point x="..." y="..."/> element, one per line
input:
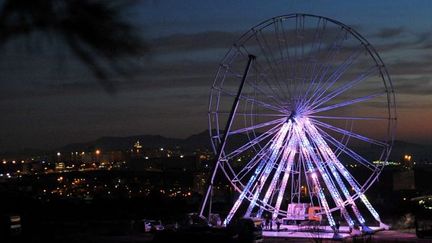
<point x="87" y="188"/>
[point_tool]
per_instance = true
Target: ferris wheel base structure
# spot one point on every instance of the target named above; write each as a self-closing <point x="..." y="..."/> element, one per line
<point x="308" y="94"/>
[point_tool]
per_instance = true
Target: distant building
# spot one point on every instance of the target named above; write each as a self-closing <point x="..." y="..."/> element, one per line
<point x="137" y="150"/>
<point x="60" y="166"/>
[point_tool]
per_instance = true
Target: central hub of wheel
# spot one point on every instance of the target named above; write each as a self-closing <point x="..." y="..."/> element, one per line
<point x="291" y="116"/>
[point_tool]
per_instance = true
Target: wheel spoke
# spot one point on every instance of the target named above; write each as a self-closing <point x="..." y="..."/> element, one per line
<point x="354" y="185"/>
<point x="253" y="142"/>
<point x="350" y="133"/>
<point x="256" y="126"/>
<point x="328" y="181"/>
<point x="269" y="165"/>
<point x="254" y="161"/>
<point x="287" y="172"/>
<point x="249" y="114"/>
<point x="287" y="151"/>
<point x="321" y="72"/>
<point x="349" y="102"/>
<point x="334" y="77"/>
<point x="351" y="153"/>
<point x="345" y="87"/>
<point x="309" y="155"/>
<point x="366" y="118"/>
<point x="278" y="101"/>
<point x="252" y="100"/>
<point x="315" y="50"/>
<point x="270" y="60"/>
<point x="332" y="159"/>
<point x="274" y="148"/>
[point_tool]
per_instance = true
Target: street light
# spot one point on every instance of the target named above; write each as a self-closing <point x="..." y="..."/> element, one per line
<point x="407" y="157"/>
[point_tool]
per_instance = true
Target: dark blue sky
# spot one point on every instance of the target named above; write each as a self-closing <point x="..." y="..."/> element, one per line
<point x="49" y="99"/>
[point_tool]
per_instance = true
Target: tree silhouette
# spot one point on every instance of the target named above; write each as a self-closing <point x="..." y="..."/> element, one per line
<point x="94" y="30"/>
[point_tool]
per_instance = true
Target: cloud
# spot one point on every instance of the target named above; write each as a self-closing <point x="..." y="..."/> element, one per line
<point x="423" y="37"/>
<point x="389" y="32"/>
<point x="424" y="40"/>
<point x="392" y="41"/>
<point x="416" y="86"/>
<point x="221" y="39"/>
<point x="194" y="42"/>
<point x="152" y="75"/>
<point x="410" y="67"/>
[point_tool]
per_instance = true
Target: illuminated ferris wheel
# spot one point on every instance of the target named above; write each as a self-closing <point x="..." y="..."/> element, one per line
<point x="302" y="112"/>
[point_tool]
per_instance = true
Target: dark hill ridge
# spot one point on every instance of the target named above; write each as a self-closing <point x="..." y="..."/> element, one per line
<point x="202" y="141"/>
<point x="122" y="143"/>
<point x="193" y="142"/>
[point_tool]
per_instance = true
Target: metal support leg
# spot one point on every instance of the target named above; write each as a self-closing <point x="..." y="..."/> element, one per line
<point x="209" y="193"/>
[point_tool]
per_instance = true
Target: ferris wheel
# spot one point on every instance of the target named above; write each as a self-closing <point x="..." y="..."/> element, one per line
<point x="302" y="110"/>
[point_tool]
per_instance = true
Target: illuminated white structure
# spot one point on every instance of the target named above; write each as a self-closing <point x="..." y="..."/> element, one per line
<point x="303" y="101"/>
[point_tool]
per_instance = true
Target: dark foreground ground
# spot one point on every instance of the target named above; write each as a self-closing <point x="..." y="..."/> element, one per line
<point x="382" y="236"/>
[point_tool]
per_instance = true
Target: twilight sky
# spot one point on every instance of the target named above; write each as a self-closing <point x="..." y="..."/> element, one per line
<point x="49" y="99"/>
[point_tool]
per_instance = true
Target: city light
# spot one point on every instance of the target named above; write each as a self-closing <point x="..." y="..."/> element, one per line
<point x="407" y="157"/>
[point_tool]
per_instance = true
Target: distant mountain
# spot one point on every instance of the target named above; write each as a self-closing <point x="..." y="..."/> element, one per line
<point x="196" y="141"/>
<point x="122" y="143"/>
<point x="202" y="141"/>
